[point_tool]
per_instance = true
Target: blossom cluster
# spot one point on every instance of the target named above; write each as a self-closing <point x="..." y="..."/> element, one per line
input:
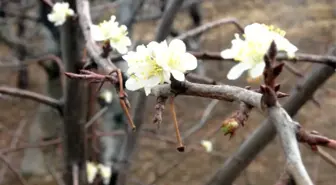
<point x="112" y="32"/>
<point x="154" y="64"/>
<point x="93" y="169"/>
<point x="249" y="52"/>
<point x="107" y="31"/>
<point x="60" y="11"/>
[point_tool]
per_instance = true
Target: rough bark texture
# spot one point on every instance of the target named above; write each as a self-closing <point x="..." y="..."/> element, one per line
<point x="75" y="108"/>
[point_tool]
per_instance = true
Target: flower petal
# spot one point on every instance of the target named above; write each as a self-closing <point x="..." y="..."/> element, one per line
<point x="51" y="17"/>
<point x="257" y="70"/>
<point x="152" y="81"/>
<point x="166" y="76"/>
<point x="189" y="61"/>
<point x="227" y="53"/>
<point x="121" y="49"/>
<point x="177" y="45"/>
<point x="71" y="12"/>
<point x="91" y="171"/>
<point x="237" y="70"/>
<point x="178" y="75"/>
<point x="132" y="84"/>
<point x="96" y="33"/>
<point x="105" y="172"/>
<point x="147" y="90"/>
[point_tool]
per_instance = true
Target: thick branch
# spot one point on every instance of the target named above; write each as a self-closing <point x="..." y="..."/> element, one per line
<point x="75" y="103"/>
<point x="32" y="96"/>
<point x="220" y="92"/>
<point x="286" y="128"/>
<point x="266" y="132"/>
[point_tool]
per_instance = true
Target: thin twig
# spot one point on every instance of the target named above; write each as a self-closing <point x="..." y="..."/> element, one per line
<point x="17" y="174"/>
<point x="299" y="57"/>
<point x="38" y="145"/>
<point x="205" y="117"/>
<point x="210" y="25"/>
<point x="32" y="96"/>
<point x="13" y="144"/>
<point x="94" y="118"/>
<point x="52" y="171"/>
<point x="325" y="155"/>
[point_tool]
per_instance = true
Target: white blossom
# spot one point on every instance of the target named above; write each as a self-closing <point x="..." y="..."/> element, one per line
<point x="207" y="145"/>
<point x="250" y="51"/>
<point x="143" y="69"/>
<point x="174" y="58"/>
<point x="91" y="171"/>
<point x="107" y="96"/>
<point x="60" y="11"/>
<point x="152" y="65"/>
<point x="113" y="33"/>
<point x="105" y="173"/>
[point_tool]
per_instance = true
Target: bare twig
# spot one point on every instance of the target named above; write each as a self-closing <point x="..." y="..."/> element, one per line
<point x="299" y="57"/>
<point x="17" y="174"/>
<point x="94" y="118"/>
<point x="210" y="25"/>
<point x="13" y="144"/>
<point x="313" y="139"/>
<point x="266" y="132"/>
<point x="53" y="172"/>
<point x="32" y="96"/>
<point x="205" y="117"/>
<point x="325" y="155"/>
<point x="286" y="129"/>
<point x="285" y="126"/>
<point x="38" y="145"/>
<point x="83" y="7"/>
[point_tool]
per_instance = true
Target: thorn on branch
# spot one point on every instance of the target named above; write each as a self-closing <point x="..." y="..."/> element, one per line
<point x="269" y="97"/>
<point x="270" y="89"/>
<point x="159" y="107"/>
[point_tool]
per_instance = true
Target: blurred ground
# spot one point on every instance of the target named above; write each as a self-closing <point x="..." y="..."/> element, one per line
<point x="309" y="24"/>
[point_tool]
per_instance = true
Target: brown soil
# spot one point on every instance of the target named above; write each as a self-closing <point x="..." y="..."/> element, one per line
<point x="309" y="24"/>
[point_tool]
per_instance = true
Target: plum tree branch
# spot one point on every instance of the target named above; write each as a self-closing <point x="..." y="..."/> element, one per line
<point x="83" y="7"/>
<point x="32" y="96"/>
<point x="220" y="92"/>
<point x="286" y="128"/>
<point x="266" y="132"/>
<point x="299" y="57"/>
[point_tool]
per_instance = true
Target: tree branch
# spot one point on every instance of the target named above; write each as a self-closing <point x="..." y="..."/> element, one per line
<point x="210" y="25"/>
<point x="299" y="57"/>
<point x="17" y="174"/>
<point x="266" y="132"/>
<point x="83" y="7"/>
<point x="220" y="92"/>
<point x="32" y="96"/>
<point x="286" y="128"/>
